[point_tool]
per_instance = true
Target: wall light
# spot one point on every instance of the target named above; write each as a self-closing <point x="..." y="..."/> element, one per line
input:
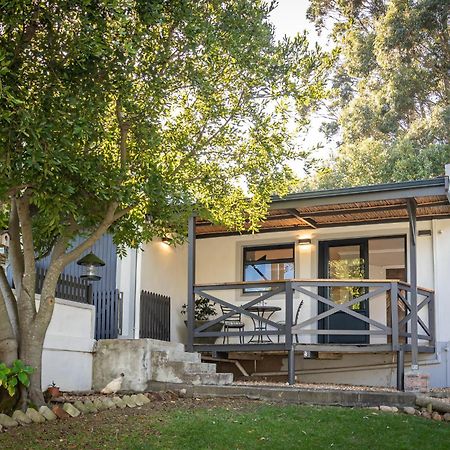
<point x="304" y="241"/>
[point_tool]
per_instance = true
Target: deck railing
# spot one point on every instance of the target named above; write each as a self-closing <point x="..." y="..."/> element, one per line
<point x="393" y="318"/>
<point x="318" y="307"/>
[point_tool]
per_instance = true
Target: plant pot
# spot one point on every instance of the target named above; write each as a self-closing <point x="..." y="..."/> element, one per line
<point x="54" y="391"/>
<point x="207" y="339"/>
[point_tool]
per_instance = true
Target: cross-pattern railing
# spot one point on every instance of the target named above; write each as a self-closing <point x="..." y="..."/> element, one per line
<point x="394" y="324"/>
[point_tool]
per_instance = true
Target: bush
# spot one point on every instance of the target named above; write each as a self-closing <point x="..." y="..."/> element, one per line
<point x="10" y="377"/>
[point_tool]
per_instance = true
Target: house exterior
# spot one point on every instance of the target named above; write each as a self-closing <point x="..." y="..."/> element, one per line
<point x="363" y="249"/>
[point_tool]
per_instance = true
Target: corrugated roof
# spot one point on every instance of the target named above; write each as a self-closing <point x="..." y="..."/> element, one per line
<point x="380" y="203"/>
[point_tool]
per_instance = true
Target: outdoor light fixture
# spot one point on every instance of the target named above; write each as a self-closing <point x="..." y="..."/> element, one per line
<point x="304" y="241"/>
<point x="91" y="263"/>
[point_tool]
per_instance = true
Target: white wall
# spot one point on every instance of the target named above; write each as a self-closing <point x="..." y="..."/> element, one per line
<point x="127" y="283"/>
<point x="164" y="271"/>
<point x="441" y="244"/>
<point x="68" y="346"/>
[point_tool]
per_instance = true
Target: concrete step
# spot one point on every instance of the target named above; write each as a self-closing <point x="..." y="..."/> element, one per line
<point x="217" y="379"/>
<point x="188" y="367"/>
<point x="172" y="355"/>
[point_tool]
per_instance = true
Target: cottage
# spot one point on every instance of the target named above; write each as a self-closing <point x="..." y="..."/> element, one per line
<point x="342" y="286"/>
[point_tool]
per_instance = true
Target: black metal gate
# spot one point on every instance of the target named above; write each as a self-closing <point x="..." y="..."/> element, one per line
<point x="154" y="316"/>
<point x="108" y="317"/>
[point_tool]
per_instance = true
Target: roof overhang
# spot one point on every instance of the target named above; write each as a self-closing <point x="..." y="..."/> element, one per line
<point x="382" y="203"/>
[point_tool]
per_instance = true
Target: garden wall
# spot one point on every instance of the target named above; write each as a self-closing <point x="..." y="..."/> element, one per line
<point x="68" y="346"/>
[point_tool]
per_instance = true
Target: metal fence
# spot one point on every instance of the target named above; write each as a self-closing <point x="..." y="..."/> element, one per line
<point x="69" y="287"/>
<point x="108" y="317"/>
<point x="154" y="316"/>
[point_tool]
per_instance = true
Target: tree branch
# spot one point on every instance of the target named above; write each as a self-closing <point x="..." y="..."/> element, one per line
<point x="10" y="302"/>
<point x="97" y="234"/>
<point x="124" y="127"/>
<point x="15" y="249"/>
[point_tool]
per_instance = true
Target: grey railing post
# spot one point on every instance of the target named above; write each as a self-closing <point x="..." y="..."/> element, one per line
<point x="191" y="283"/>
<point x="394" y="315"/>
<point x="289" y="297"/>
<point x="412" y="207"/>
<point x="432" y="319"/>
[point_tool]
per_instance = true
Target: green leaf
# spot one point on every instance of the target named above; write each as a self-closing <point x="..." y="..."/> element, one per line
<point x="23" y="378"/>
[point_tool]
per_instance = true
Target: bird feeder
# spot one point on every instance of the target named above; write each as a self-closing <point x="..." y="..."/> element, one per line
<point x="91" y="264"/>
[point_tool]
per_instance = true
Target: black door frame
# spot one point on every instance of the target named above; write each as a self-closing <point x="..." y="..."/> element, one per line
<point x="324" y="247"/>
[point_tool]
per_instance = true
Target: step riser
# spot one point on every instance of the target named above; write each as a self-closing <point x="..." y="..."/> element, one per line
<point x="188" y="367"/>
<point x="178" y="356"/>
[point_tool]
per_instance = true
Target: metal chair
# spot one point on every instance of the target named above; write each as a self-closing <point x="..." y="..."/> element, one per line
<point x="297" y="315"/>
<point x="234" y="322"/>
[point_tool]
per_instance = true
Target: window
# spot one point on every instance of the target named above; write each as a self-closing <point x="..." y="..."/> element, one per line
<point x="268" y="263"/>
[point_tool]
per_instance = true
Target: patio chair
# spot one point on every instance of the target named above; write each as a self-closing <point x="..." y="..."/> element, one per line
<point x="297" y="314"/>
<point x="234" y="322"/>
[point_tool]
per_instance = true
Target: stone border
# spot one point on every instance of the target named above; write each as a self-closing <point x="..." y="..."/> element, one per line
<point x="69" y="409"/>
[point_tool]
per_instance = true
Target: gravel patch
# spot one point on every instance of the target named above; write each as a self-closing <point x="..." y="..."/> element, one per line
<point x="317" y="386"/>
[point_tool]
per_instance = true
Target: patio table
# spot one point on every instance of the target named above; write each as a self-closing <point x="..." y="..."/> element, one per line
<point x="264" y="312"/>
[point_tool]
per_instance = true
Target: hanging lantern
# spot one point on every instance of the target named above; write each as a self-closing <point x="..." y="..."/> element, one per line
<point x="91" y="263"/>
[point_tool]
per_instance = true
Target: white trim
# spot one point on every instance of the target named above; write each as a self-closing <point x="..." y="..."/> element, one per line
<point x="137" y="294"/>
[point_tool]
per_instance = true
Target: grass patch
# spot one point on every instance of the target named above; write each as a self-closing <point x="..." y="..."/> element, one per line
<point x="234" y="424"/>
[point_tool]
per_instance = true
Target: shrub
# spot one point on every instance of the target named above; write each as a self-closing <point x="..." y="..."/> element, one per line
<point x="10" y="377"/>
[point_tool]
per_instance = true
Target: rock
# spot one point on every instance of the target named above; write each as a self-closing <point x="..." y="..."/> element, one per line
<point x="129" y="401"/>
<point x="90" y="407"/>
<point x="373" y="408"/>
<point x="436" y="416"/>
<point x="35" y="416"/>
<point x="119" y="402"/>
<point x="144" y="399"/>
<point x="71" y="410"/>
<point x="409" y="410"/>
<point x="109" y="403"/>
<point x="47" y="413"/>
<point x="137" y="400"/>
<point x="426" y="414"/>
<point x="1" y="428"/>
<point x="7" y="422"/>
<point x="21" y="417"/>
<point x="394" y="409"/>
<point x="430" y="408"/>
<point x="99" y="405"/>
<point x="385" y="408"/>
<point x="182" y="393"/>
<point x="446" y="417"/>
<point x="59" y="412"/>
<point x="81" y="407"/>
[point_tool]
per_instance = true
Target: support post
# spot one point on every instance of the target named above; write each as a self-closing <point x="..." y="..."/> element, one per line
<point x="289" y="296"/>
<point x="191" y="283"/>
<point x="412" y="207"/>
<point x="401" y="370"/>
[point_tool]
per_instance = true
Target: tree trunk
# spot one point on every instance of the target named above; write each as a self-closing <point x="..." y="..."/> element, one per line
<point x="8" y="341"/>
<point x="31" y="345"/>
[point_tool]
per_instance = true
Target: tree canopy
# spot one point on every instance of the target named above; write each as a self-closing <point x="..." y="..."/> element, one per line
<point x="389" y="103"/>
<point x="128" y="115"/>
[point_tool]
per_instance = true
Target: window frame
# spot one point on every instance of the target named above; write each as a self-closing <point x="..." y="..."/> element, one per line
<point x="288" y="245"/>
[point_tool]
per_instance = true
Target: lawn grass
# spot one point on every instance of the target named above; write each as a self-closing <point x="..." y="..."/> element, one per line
<point x="234" y="424"/>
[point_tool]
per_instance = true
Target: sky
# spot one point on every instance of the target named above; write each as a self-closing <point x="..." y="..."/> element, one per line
<point x="289" y="19"/>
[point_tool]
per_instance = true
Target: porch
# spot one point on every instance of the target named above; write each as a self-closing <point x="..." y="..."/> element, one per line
<point x="375" y="315"/>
